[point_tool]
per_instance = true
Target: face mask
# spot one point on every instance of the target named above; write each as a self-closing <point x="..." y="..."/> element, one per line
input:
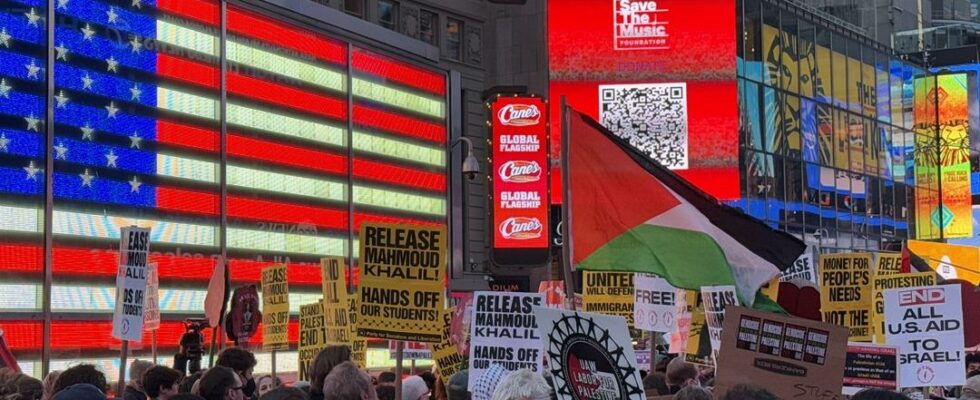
<point x="249" y="388"/>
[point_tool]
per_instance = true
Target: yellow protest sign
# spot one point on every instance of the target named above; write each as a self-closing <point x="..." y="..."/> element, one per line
<point x="312" y="335"/>
<point x="888" y="264"/>
<point x="698" y="340"/>
<point x="609" y="293"/>
<point x="275" y="308"/>
<point x="335" y="301"/>
<point x="401" y="292"/>
<point x="845" y="292"/>
<point x="445" y="354"/>
<point x="882" y="283"/>
<point x="358" y="345"/>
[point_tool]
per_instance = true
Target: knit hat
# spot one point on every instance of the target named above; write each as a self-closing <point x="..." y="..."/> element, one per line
<point x="487" y="382"/>
<point x="413" y="388"/>
<point x="82" y="391"/>
<point x="971" y="390"/>
<point x="457" y="386"/>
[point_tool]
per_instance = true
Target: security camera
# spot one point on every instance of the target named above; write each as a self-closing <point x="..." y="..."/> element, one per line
<point x="471" y="167"/>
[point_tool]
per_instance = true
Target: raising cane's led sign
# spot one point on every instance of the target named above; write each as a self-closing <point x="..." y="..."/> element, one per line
<point x="520" y="173"/>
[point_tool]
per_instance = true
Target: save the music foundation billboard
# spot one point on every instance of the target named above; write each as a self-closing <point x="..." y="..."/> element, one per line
<point x="659" y="73"/>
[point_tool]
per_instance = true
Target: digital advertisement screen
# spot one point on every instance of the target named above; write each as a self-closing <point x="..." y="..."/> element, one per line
<point x="520" y="180"/>
<point x="660" y="74"/>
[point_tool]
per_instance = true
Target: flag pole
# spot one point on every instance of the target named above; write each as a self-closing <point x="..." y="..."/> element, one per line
<point x="566" y="208"/>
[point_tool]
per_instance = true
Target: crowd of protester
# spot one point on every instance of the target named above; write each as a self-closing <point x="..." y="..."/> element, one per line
<point x="333" y="376"/>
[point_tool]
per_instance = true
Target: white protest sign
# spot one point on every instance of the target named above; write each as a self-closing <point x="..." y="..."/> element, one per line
<point x="410" y="351"/>
<point x="504" y="332"/>
<point x="655" y="304"/>
<point x="926" y="323"/>
<point x="151" y="314"/>
<point x="127" y="319"/>
<point x="803" y="268"/>
<point x="590" y="355"/>
<point x="716" y="298"/>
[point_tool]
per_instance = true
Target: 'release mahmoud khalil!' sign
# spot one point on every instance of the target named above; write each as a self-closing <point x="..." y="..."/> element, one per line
<point x="400" y="295"/>
<point x="134" y="250"/>
<point x="590" y="355"/>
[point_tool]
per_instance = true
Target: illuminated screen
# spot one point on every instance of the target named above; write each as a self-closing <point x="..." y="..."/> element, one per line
<point x="955" y="217"/>
<point x="138" y="142"/>
<point x="660" y="74"/>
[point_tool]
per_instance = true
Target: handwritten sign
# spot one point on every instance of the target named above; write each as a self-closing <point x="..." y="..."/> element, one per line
<point x="134" y="250"/>
<point x="275" y="308"/>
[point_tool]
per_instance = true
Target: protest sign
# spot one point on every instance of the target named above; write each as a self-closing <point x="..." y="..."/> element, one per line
<point x="275" y="308"/>
<point x="880" y="284"/>
<point x="845" y="292"/>
<point x="504" y="332"/>
<point x="926" y="323"/>
<point x="716" y="299"/>
<point x="554" y="293"/>
<point x="134" y="250"/>
<point x="358" y="345"/>
<point x="410" y="350"/>
<point x="445" y="354"/>
<point x="802" y="269"/>
<point x="697" y="344"/>
<point x="312" y="336"/>
<point x="655" y="304"/>
<point x="590" y="355"/>
<point x="644" y="359"/>
<point x="870" y="366"/>
<point x="335" y="305"/>
<point x="795" y="358"/>
<point x="401" y="292"/>
<point x="243" y="318"/>
<point x="151" y="314"/>
<point x="888" y="264"/>
<point x="609" y="293"/>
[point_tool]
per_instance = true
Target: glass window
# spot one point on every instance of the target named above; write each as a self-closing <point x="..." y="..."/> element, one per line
<point x="454" y="35"/>
<point x="823" y="82"/>
<point x="790" y="55"/>
<point x="752" y="40"/>
<point x="429" y="27"/>
<point x="839" y="70"/>
<point x="807" y="59"/>
<point x="771" y="50"/>
<point x="752" y="123"/>
<point x="792" y="126"/>
<point x="388" y="14"/>
<point x="354" y="7"/>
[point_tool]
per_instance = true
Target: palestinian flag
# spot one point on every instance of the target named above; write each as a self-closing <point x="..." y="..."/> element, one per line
<point x="625" y="212"/>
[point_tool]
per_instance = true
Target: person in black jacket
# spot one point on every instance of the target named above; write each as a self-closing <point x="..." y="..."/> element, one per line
<point x="134" y="388"/>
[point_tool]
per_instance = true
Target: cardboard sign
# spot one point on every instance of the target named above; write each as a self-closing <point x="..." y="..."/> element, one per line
<point x="609" y="293"/>
<point x="888" y="264"/>
<point x="716" y="300"/>
<point x="358" y="345"/>
<point x="654" y="304"/>
<point x="590" y="355"/>
<point x="151" y="314"/>
<point x="926" y="323"/>
<point x="794" y="357"/>
<point x="881" y="283"/>
<point x="445" y="354"/>
<point x="275" y="308"/>
<point x="401" y="290"/>
<point x="312" y="336"/>
<point x="504" y="332"/>
<point x="134" y="250"/>
<point x="870" y="366"/>
<point x="803" y="268"/>
<point x="410" y="350"/>
<point x="845" y="292"/>
<point x="335" y="304"/>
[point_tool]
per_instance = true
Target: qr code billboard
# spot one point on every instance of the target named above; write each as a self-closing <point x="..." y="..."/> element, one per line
<point x="652" y="117"/>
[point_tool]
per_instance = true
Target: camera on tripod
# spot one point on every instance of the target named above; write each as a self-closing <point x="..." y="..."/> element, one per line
<point x="188" y="359"/>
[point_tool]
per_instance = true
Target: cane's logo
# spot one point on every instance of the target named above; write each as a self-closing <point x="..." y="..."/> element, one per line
<point x="520" y="171"/>
<point x="521" y="228"/>
<point x="519" y="115"/>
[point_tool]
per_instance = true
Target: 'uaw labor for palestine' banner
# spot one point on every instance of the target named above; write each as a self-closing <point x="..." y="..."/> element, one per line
<point x="400" y="294"/>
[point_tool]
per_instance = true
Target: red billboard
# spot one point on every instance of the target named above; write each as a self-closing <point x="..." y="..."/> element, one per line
<point x="660" y="74"/>
<point x="520" y="168"/>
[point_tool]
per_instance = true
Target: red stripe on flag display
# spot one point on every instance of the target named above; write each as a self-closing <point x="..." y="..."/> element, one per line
<point x="400" y="72"/>
<point x="399" y="124"/>
<point x="277" y="33"/>
<point x="182" y="70"/>
<point x="21" y="258"/>
<point x="279" y="212"/>
<point x="187" y="201"/>
<point x="187" y="136"/>
<point x="203" y="11"/>
<point x="282" y="154"/>
<point x="401" y="176"/>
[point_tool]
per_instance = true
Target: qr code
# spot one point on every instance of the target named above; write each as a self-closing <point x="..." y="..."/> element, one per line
<point x="652" y="117"/>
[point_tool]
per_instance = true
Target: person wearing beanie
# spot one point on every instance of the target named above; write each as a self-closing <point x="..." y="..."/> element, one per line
<point x="456" y="388"/>
<point x="81" y="391"/>
<point x="522" y="384"/>
<point x="415" y="388"/>
<point x="485" y="385"/>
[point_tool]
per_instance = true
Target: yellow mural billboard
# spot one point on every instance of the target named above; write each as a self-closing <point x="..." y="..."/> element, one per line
<point x="944" y="163"/>
<point x="949" y="260"/>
